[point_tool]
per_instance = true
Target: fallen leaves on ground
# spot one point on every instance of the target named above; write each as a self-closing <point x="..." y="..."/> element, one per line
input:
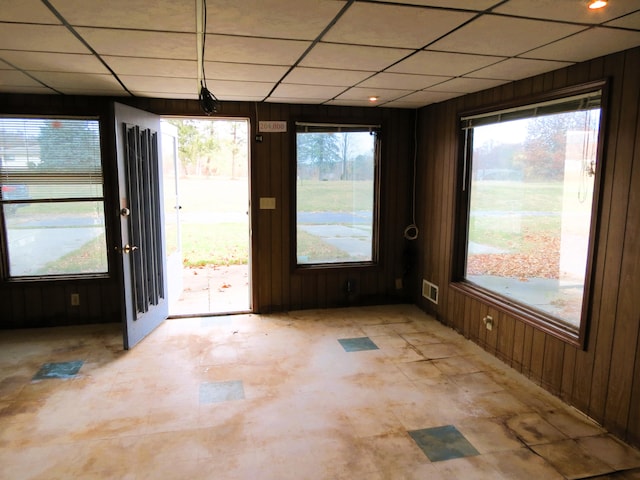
<point x="543" y="261"/>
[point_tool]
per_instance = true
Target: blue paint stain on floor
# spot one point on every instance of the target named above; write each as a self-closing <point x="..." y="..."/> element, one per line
<point x="215" y="392"/>
<point x="443" y="443"/>
<point x="357" y="344"/>
<point x="59" y="370"/>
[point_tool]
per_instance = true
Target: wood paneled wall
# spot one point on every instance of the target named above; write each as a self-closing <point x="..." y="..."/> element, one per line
<point x="47" y="303"/>
<point x="275" y="285"/>
<point x="603" y="380"/>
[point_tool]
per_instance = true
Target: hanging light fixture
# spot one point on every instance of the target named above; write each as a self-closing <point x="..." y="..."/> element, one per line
<point x="208" y="101"/>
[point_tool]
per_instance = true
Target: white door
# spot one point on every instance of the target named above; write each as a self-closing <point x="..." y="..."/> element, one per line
<point x="172" y="207"/>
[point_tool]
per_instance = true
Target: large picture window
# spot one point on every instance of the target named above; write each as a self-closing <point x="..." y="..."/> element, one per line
<point x="530" y="177"/>
<point x="336" y="194"/>
<point x="52" y="197"/>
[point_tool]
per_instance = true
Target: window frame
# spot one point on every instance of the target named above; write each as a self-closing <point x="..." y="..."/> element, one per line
<point x="538" y="319"/>
<point x="374" y="263"/>
<point x="5" y="275"/>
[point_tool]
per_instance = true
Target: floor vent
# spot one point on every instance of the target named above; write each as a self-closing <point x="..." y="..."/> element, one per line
<point x="430" y="291"/>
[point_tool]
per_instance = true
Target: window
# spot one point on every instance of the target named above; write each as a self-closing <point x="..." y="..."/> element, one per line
<point x="52" y="197"/>
<point x="529" y="195"/>
<point x="336" y="194"/>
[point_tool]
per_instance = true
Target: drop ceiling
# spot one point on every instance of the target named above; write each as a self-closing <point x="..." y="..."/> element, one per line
<point x="408" y="53"/>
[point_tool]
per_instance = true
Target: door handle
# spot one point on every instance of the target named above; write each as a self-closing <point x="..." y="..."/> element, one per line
<point x="129" y="248"/>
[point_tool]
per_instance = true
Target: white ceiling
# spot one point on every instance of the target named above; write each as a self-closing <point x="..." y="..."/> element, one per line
<point x="409" y="53"/>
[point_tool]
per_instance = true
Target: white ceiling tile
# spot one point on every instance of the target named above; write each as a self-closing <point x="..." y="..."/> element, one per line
<point x="352" y="103"/>
<point x="168" y="15"/>
<point x="244" y="71"/>
<point x="225" y="88"/>
<point x="384" y="95"/>
<point x="241" y="98"/>
<point x="628" y="21"/>
<point x="439" y="63"/>
<point x="160" y="84"/>
<point x="401" y="104"/>
<point x="592" y="43"/>
<point x="152" y="67"/>
<point x="186" y="96"/>
<point x="224" y="48"/>
<point x="426" y="97"/>
<point x="255" y="42"/>
<point x="477" y="5"/>
<point x="494" y="35"/>
<point x="354" y="57"/>
<point x="61" y="80"/>
<point x="98" y="92"/>
<point x="393" y="25"/>
<point x="403" y="81"/>
<point x="294" y="19"/>
<point x="568" y="10"/>
<point x="322" y="76"/>
<point x="16" y="78"/>
<point x="54" y="62"/>
<point x="466" y="85"/>
<point x="517" y="68"/>
<point x="306" y="91"/>
<point x="133" y="43"/>
<point x="40" y="38"/>
<point x="297" y="101"/>
<point x="27" y="11"/>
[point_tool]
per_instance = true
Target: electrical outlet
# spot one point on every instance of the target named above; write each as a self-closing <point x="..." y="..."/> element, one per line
<point x="75" y="299"/>
<point x="350" y="286"/>
<point x="398" y="283"/>
<point x="488" y="322"/>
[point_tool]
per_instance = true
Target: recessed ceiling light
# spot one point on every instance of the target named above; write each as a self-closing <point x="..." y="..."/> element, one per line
<point x="373" y="99"/>
<point x="596" y="4"/>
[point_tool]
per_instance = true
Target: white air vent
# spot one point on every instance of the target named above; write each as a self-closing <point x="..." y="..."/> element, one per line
<point x="430" y="291"/>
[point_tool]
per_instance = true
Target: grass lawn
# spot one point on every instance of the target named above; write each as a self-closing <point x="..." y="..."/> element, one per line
<point x="318" y="251"/>
<point x="90" y="258"/>
<point x="214" y="243"/>
<point x="211" y="194"/>
<point x="515" y="216"/>
<point x="334" y="196"/>
<point x="491" y="195"/>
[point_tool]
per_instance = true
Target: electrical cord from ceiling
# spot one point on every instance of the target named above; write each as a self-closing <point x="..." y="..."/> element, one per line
<point x="208" y="101"/>
<point x="411" y="232"/>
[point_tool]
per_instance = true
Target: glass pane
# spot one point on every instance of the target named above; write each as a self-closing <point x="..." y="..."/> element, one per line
<point x="43" y="190"/>
<point x="49" y="158"/>
<point x="530" y="210"/>
<point x="56" y="238"/>
<point x="335" y="197"/>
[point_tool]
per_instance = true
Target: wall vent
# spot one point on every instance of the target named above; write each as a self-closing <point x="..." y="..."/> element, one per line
<point x="430" y="291"/>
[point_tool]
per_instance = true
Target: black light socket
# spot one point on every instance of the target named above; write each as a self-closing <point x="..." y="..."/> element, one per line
<point x="208" y="104"/>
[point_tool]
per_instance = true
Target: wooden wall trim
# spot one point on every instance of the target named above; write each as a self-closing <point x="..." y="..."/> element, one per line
<point x="275" y="287"/>
<point x="603" y="380"/>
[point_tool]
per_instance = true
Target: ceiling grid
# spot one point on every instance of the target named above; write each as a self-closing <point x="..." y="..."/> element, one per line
<point x="408" y="53"/>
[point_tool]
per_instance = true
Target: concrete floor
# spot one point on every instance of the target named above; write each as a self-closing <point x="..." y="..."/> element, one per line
<point x="213" y="289"/>
<point x="360" y="393"/>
